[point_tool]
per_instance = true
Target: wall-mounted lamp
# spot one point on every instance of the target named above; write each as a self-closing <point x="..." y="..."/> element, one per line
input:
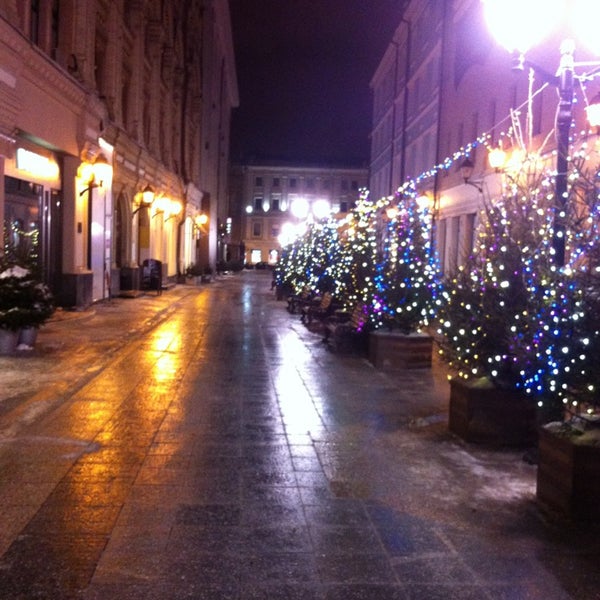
<point x="174" y="209"/>
<point x="97" y="173"/>
<point x="424" y="201"/>
<point x="466" y="170"/>
<point x="497" y="159"/>
<point x="592" y="111"/>
<point x="199" y="222"/>
<point x="146" y="200"/>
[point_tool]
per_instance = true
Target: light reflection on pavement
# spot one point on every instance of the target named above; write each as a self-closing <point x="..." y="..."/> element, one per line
<point x="205" y="444"/>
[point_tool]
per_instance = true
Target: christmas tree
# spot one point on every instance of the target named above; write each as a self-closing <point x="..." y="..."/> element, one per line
<point x="514" y="316"/>
<point x="406" y="282"/>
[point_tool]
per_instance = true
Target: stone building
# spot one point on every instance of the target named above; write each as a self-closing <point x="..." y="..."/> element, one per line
<point x="144" y="88"/>
<point x="446" y="92"/>
<point x="273" y="199"/>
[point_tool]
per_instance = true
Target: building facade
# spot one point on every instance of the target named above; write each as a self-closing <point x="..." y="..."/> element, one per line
<point x="144" y="88"/>
<point x="446" y="91"/>
<point x="274" y="200"/>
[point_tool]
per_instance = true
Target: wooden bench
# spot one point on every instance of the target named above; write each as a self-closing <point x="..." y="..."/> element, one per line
<point x="296" y="301"/>
<point x="318" y="309"/>
<point x="344" y="329"/>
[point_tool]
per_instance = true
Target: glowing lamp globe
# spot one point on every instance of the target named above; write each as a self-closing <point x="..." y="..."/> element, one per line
<point x="102" y="170"/>
<point x="321" y="209"/>
<point x="521" y="24"/>
<point x="300" y="208"/>
<point x="497" y="158"/>
<point x="592" y="112"/>
<point x="584" y="15"/>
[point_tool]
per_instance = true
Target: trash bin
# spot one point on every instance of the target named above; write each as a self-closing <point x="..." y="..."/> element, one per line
<point x="152" y="275"/>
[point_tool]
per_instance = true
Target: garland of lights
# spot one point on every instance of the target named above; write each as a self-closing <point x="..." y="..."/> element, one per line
<point x="509" y="314"/>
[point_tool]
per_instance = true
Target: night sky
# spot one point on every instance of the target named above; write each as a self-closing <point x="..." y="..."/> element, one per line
<point x="304" y="68"/>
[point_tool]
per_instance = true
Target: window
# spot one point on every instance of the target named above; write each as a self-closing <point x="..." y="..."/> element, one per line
<point x="344" y="184"/>
<point x="355" y="185"/>
<point x="275" y="203"/>
<point x="344" y="207"/>
<point x="293" y="182"/>
<point x="258" y="182"/>
<point x="258" y="201"/>
<point x="275" y="181"/>
<point x="310" y="183"/>
<point x="275" y="230"/>
<point x="256" y="229"/>
<point x="34" y="16"/>
<point x="326" y="184"/>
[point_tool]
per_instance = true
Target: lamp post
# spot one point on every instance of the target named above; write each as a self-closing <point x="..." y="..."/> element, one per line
<point x="519" y="25"/>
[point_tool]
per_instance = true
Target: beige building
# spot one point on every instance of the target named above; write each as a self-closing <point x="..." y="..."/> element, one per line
<point x="274" y="200"/>
<point x="144" y="88"/>
<point x="443" y="93"/>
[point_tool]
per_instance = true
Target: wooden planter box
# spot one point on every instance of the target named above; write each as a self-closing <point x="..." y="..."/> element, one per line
<point x="568" y="478"/>
<point x="484" y="414"/>
<point x="391" y="350"/>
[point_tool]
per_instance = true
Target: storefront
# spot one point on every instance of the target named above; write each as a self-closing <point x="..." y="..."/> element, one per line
<point x="33" y="209"/>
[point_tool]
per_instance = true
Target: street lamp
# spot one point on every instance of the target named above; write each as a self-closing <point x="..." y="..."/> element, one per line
<point x="147" y="197"/>
<point x="466" y="170"/>
<point x="98" y="173"/>
<point x="520" y="24"/>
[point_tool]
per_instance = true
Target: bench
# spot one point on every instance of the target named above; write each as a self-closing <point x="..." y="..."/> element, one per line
<point x="295" y="301"/>
<point x="319" y="309"/>
<point x="344" y="329"/>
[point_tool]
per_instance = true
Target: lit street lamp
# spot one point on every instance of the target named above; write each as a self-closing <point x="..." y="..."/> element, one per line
<point x="520" y="24"/>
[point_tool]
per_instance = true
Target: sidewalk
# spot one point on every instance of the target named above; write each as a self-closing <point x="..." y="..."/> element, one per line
<point x="205" y="444"/>
<point x="73" y="346"/>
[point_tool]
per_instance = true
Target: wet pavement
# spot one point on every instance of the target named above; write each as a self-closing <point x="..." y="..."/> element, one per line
<point x="206" y="444"/>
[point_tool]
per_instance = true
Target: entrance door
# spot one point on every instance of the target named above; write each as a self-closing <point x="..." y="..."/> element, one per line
<point x="34" y="222"/>
<point x="22" y="213"/>
<point x="100" y="238"/>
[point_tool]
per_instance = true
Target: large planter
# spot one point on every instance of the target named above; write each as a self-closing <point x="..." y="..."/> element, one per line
<point x="392" y="350"/>
<point x="568" y="477"/>
<point x="8" y="341"/>
<point x="481" y="413"/>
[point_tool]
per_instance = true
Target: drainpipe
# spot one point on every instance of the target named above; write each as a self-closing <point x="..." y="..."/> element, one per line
<point x="405" y="100"/>
<point x="438" y="143"/>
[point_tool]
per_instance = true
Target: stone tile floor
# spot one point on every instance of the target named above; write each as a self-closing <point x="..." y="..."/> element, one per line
<point x="205" y="444"/>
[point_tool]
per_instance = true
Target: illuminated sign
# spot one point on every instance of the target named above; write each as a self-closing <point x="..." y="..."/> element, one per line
<point x="38" y="165"/>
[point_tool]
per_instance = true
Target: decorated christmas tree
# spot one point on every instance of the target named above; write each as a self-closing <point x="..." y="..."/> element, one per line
<point x="406" y="282"/>
<point x="514" y="316"/>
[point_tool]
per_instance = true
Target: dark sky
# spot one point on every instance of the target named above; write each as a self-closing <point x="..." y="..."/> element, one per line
<point x="304" y="68"/>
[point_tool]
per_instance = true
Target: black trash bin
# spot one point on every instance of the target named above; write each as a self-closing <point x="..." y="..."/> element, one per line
<point x="152" y="275"/>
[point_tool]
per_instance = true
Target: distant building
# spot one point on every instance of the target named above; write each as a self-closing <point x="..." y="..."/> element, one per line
<point x="272" y="199"/>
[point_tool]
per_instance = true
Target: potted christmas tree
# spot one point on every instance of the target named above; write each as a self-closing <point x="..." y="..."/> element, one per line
<point x="405" y="287"/>
<point x="25" y="301"/>
<point x="568" y="478"/>
<point x="489" y="320"/>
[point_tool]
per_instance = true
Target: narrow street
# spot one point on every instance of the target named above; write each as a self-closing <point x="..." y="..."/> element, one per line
<point x="205" y="444"/>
